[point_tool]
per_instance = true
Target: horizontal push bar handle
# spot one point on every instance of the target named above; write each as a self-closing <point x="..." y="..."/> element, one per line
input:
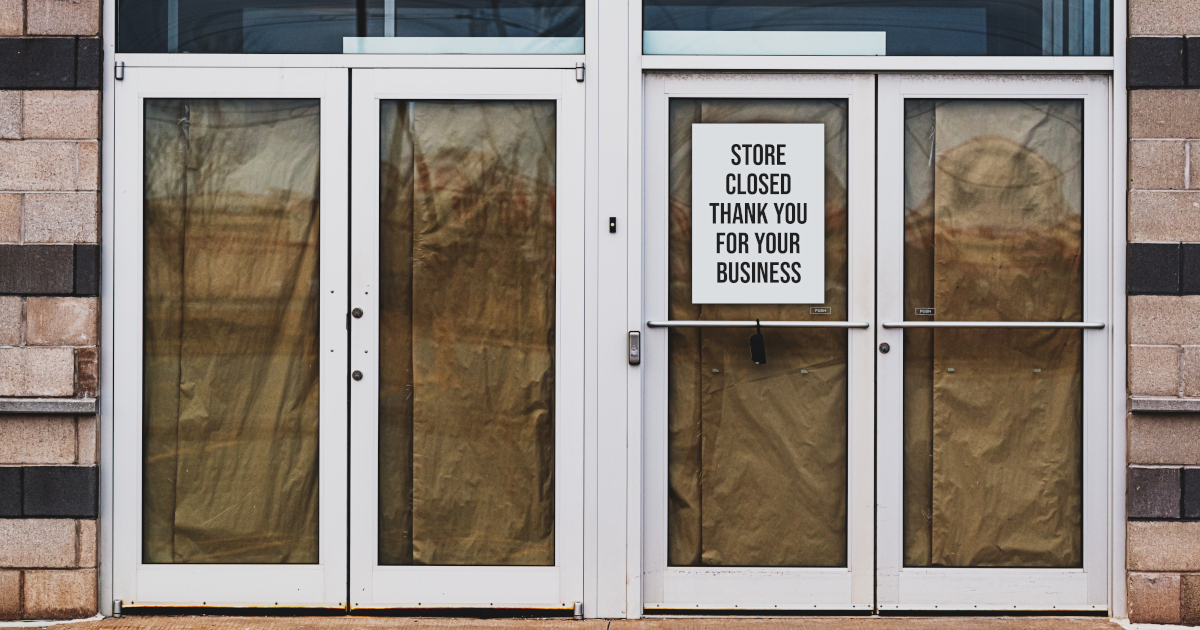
<point x="1075" y="325"/>
<point x="750" y="323"/>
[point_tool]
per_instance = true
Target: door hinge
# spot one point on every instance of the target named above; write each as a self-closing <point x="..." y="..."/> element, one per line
<point x="119" y="70"/>
<point x="579" y="71"/>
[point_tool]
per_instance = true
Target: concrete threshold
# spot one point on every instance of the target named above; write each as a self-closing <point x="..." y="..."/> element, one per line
<point x="205" y="622"/>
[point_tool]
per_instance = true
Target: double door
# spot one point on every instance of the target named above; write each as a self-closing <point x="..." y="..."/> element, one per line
<point x="352" y="344"/>
<point x="350" y="338"/>
<point x="898" y="399"/>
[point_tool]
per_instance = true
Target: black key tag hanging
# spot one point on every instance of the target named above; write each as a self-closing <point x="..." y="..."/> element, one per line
<point x="758" y="350"/>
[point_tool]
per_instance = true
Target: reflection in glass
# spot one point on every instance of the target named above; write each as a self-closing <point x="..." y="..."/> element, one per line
<point x="993" y="417"/>
<point x="488" y="18"/>
<point x="757" y="453"/>
<point x="467" y="313"/>
<point x="230" y="372"/>
<point x="244" y="26"/>
<point x="336" y="26"/>
<point x="877" y="27"/>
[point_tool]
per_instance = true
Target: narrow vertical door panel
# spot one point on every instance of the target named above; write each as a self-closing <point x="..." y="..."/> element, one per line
<point x="986" y="427"/>
<point x="468" y="424"/>
<point x="230" y="444"/>
<point x="758" y="475"/>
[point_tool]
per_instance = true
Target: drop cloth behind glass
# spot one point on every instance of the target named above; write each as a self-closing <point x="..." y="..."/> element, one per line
<point x="993" y="417"/>
<point x="467" y="327"/>
<point x="230" y="372"/>
<point x="757" y="453"/>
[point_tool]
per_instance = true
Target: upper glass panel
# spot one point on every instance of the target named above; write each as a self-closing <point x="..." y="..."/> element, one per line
<point x="877" y="27"/>
<point x="351" y="26"/>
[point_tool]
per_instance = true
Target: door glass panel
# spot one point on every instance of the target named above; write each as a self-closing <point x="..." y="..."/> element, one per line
<point x="467" y="332"/>
<point x="231" y="226"/>
<point x="757" y="453"/>
<point x="877" y="27"/>
<point x="993" y="417"/>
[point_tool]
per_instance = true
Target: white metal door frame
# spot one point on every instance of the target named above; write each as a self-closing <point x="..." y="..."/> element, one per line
<point x="665" y="587"/>
<point x="558" y="586"/>
<point x="139" y="584"/>
<point x="1086" y="588"/>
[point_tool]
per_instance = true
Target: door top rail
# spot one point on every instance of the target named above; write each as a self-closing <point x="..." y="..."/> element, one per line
<point x="971" y="324"/>
<point x="751" y="323"/>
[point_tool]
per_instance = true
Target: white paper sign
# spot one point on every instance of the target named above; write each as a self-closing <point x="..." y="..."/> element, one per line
<point x="758" y="214"/>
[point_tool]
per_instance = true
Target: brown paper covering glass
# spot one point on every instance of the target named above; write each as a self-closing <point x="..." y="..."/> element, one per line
<point x="231" y="295"/>
<point x="757" y="453"/>
<point x="993" y="467"/>
<point x="467" y="326"/>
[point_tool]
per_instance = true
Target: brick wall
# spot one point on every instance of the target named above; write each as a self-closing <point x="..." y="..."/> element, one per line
<point x="1163" y="491"/>
<point x="49" y="312"/>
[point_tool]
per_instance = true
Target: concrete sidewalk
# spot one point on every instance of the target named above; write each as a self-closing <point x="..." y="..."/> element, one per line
<point x="671" y="623"/>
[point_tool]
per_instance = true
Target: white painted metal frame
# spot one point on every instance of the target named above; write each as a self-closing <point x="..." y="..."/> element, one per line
<point x="1086" y="588"/>
<point x="280" y="60"/>
<point x="837" y="63"/>
<point x="558" y="586"/>
<point x="614" y="513"/>
<point x="674" y="588"/>
<point x="733" y="63"/>
<point x="1117" y="384"/>
<point x="138" y="584"/>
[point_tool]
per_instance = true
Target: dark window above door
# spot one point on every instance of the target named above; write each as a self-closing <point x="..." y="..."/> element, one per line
<point x="350" y="26"/>
<point x="877" y="27"/>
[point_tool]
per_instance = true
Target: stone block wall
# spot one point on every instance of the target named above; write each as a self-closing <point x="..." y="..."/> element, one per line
<point x="1163" y="275"/>
<point x="49" y="309"/>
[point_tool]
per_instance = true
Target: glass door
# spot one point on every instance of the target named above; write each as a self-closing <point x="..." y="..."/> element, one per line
<point x="759" y="361"/>
<point x="229" y="382"/>
<point x="467" y="339"/>
<point x="993" y="276"/>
